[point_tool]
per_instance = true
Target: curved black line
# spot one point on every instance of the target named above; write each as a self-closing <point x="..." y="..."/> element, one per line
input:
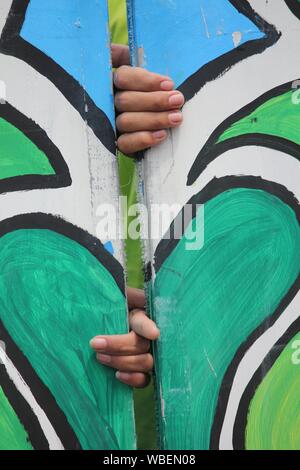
<point x="217" y="67"/>
<point x="214" y="188"/>
<point x="231" y="371"/>
<point x="22" y="409"/>
<point x="294" y="6"/>
<point x="11" y="43"/>
<point x="38" y="136"/>
<point x="268" y="362"/>
<point x="165" y="248"/>
<point x="56" y="224"/>
<point x="212" y="149"/>
<point x="42" y="395"/>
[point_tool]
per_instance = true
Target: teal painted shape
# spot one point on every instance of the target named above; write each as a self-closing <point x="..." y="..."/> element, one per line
<point x="54" y="297"/>
<point x="207" y="302"/>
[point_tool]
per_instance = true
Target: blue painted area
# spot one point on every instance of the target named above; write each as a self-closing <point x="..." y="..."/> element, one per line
<point x="74" y="33"/>
<point x="179" y="37"/>
<point x="109" y="247"/>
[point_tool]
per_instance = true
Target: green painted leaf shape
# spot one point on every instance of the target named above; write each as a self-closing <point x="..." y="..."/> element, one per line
<point x="12" y="434"/>
<point x="54" y="297"/>
<point x="19" y="156"/>
<point x="208" y="302"/>
<point x="274" y="412"/>
<point x="272" y="121"/>
<point x="278" y="116"/>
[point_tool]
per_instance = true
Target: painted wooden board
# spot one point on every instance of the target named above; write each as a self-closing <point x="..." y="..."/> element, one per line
<point x="225" y="291"/>
<point x="60" y="285"/>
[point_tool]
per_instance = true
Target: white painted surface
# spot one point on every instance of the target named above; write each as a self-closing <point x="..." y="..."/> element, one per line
<point x="92" y="167"/>
<point x="22" y="387"/>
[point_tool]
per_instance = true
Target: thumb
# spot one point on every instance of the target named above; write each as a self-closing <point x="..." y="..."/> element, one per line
<point x="142" y="325"/>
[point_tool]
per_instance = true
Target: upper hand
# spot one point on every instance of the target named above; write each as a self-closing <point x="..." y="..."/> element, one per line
<point x="129" y="353"/>
<point x="146" y="102"/>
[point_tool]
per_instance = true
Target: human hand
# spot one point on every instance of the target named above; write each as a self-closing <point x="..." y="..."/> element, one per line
<point x="129" y="353"/>
<point x="146" y="102"/>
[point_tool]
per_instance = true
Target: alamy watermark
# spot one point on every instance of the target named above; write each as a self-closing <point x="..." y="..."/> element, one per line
<point x="296" y="354"/>
<point x="154" y="222"/>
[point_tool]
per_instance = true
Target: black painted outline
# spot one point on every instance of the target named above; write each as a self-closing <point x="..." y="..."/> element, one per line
<point x="259" y="376"/>
<point x="231" y="371"/>
<point x="212" y="149"/>
<point x="11" y="43"/>
<point x="216" y="187"/>
<point x="40" y="220"/>
<point x="38" y="136"/>
<point x="294" y="6"/>
<point x="41" y="393"/>
<point x="23" y="411"/>
<point x="220" y="65"/>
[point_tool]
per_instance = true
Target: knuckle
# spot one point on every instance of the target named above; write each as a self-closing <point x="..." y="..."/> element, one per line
<point x="144" y="345"/>
<point x="121" y="100"/>
<point x="160" y="102"/>
<point x="122" y="121"/>
<point x="123" y="144"/>
<point x="121" y="76"/>
<point x="142" y="381"/>
<point x="150" y="78"/>
<point x="145" y="139"/>
<point x="159" y="120"/>
<point x="119" y="362"/>
<point x="148" y="362"/>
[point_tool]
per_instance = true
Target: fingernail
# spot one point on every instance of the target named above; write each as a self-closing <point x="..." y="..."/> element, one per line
<point x="104" y="358"/>
<point x="159" y="135"/>
<point x="122" y="376"/>
<point x="167" y="85"/>
<point x="176" y="100"/>
<point x="175" y="118"/>
<point x="98" y="343"/>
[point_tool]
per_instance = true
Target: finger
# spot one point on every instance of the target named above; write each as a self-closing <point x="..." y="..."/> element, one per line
<point x="141" y="363"/>
<point x="142" y="325"/>
<point x="130" y="344"/>
<point x="137" y="141"/>
<point x="136" y="298"/>
<point x="134" y="379"/>
<point x="120" y="55"/>
<point x="148" y="101"/>
<point x="138" y="122"/>
<point x="138" y="79"/>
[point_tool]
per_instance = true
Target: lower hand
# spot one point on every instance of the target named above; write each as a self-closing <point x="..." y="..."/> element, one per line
<point x="129" y="354"/>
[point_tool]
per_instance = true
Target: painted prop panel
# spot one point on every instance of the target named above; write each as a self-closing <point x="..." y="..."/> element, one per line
<point x="226" y="299"/>
<point x="60" y="285"/>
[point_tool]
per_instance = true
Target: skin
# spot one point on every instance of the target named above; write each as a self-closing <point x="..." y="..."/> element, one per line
<point x="129" y="353"/>
<point x="147" y="105"/>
